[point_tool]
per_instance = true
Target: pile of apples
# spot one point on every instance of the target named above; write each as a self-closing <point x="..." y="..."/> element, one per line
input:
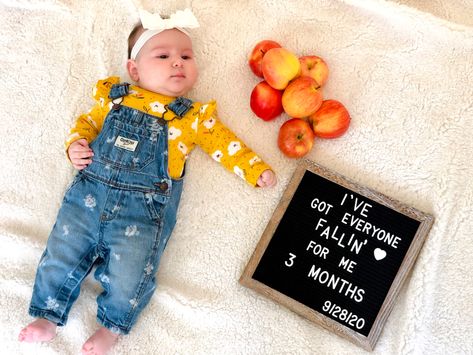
<point x="294" y="85"/>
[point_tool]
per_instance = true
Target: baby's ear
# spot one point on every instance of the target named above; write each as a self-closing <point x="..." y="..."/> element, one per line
<point x="132" y="70"/>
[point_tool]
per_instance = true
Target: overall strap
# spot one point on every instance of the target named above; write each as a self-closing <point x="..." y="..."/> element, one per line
<point x="119" y="90"/>
<point x="180" y="106"/>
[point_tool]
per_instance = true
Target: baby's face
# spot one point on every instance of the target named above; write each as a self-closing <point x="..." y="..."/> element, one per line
<point x="165" y="64"/>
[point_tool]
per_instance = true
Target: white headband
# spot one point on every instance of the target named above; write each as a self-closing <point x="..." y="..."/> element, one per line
<point x="154" y="24"/>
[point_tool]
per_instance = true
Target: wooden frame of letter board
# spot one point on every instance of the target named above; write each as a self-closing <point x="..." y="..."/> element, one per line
<point x="368" y="342"/>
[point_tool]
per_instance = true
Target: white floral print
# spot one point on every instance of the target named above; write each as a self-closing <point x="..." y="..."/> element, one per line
<point x="203" y="109"/>
<point x="217" y="155"/>
<point x="116" y="256"/>
<point x="90" y="202"/>
<point x="209" y="123"/>
<point x="157" y="106"/>
<point x="254" y="160"/>
<point x="238" y="171"/>
<point x="91" y="121"/>
<point x="65" y="230"/>
<point x="174" y="132"/>
<point x="117" y="101"/>
<point x="74" y="135"/>
<point x="234" y="147"/>
<point x="132" y="231"/>
<point x="194" y="125"/>
<point x="115" y="208"/>
<point x="51" y="304"/>
<point x="182" y="147"/>
<point x="110" y="140"/>
<point x="133" y="302"/>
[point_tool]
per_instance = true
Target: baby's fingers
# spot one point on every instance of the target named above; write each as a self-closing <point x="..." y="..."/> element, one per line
<point x="82" y="154"/>
<point x="81" y="159"/>
<point x="79" y="166"/>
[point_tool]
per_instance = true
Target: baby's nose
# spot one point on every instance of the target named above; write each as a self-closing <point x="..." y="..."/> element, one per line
<point x="177" y="63"/>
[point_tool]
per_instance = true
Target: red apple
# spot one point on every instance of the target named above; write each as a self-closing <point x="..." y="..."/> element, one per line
<point x="295" y="138"/>
<point x="279" y="67"/>
<point x="315" y="67"/>
<point x="265" y="101"/>
<point x="302" y="97"/>
<point x="257" y="54"/>
<point x="331" y="120"/>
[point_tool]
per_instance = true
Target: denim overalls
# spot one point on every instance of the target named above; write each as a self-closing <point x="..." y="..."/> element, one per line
<point x="118" y="214"/>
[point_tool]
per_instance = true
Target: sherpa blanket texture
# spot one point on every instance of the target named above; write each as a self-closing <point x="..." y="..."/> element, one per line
<point x="404" y="70"/>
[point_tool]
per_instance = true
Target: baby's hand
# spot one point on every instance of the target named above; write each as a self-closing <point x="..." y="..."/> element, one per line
<point x="80" y="153"/>
<point x="266" y="179"/>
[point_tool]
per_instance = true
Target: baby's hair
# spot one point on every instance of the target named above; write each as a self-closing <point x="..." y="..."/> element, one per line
<point x="133" y="37"/>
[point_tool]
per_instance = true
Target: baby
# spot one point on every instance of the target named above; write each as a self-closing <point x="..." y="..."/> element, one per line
<point x="120" y="209"/>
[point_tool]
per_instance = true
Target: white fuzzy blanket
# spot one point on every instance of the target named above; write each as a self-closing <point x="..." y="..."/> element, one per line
<point x="404" y="69"/>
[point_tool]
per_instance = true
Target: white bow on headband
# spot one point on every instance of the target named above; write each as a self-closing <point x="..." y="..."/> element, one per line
<point x="180" y="19"/>
<point x="154" y="24"/>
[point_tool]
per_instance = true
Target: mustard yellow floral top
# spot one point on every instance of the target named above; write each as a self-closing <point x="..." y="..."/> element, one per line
<point x="199" y="126"/>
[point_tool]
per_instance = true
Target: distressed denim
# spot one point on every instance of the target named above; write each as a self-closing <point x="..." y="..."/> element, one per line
<point x="117" y="214"/>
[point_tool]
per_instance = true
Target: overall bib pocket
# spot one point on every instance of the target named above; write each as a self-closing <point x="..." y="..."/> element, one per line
<point x="126" y="146"/>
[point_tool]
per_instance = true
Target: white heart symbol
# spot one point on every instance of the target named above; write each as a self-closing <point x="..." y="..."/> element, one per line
<point x="379" y="254"/>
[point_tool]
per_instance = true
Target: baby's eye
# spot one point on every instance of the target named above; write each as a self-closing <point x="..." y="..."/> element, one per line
<point x="186" y="57"/>
<point x="163" y="56"/>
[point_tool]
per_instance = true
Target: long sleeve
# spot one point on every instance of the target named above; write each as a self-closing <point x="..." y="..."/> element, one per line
<point x="87" y="126"/>
<point x="227" y="149"/>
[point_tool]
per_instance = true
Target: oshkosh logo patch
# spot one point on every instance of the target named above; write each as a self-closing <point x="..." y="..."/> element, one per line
<point x="125" y="143"/>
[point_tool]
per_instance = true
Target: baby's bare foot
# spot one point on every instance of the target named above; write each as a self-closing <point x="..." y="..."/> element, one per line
<point x="100" y="342"/>
<point x="39" y="330"/>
